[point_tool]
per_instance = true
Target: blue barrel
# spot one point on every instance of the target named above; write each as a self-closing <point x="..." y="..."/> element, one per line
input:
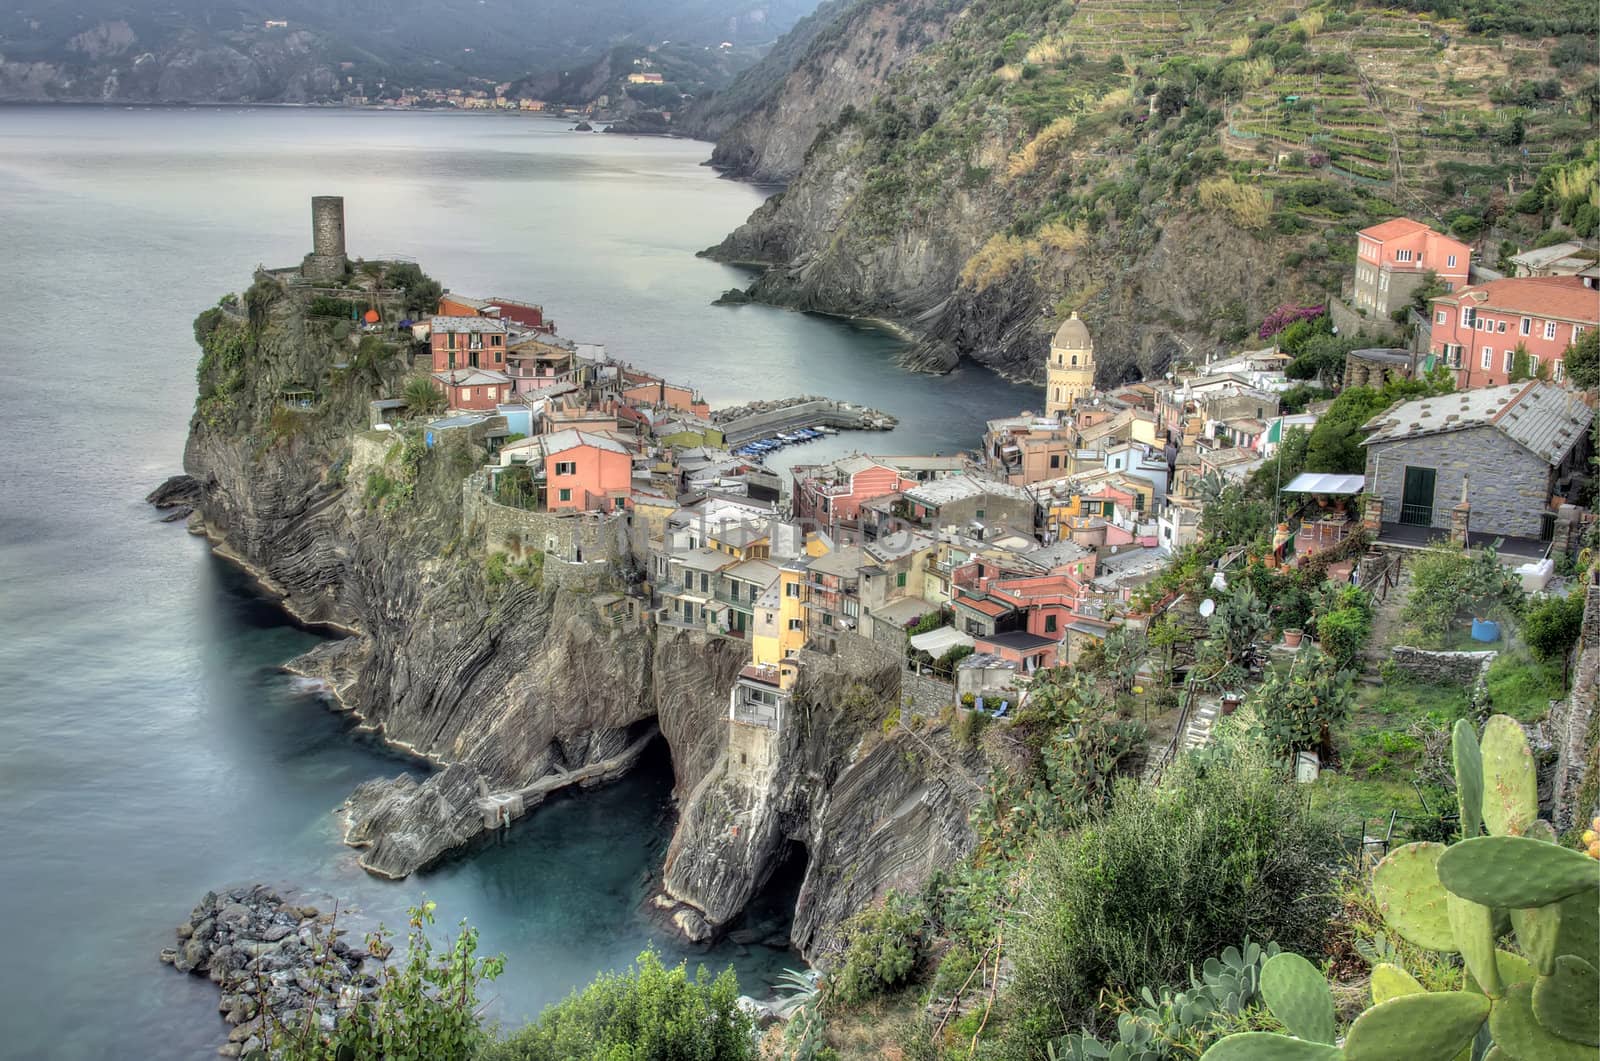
<point x="1485" y="630"/>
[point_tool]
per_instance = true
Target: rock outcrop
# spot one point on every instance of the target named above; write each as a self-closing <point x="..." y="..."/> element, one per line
<point x="510" y="680"/>
<point x="279" y="964"/>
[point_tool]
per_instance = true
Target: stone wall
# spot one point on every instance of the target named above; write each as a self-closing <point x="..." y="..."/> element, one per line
<point x="1349" y="322"/>
<point x="1508" y="485"/>
<point x="583" y="544"/>
<point x="1569" y="726"/>
<point x="925" y="695"/>
<point x="1448" y="668"/>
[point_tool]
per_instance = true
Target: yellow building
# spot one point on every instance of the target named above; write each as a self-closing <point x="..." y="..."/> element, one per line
<point x="780" y="618"/>
<point x="1069" y="375"/>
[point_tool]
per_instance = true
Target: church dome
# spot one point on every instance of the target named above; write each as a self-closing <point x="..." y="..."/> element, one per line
<point x="1072" y="335"/>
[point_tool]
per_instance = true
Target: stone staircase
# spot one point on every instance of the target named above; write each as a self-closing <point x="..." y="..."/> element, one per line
<point x="1197" y="734"/>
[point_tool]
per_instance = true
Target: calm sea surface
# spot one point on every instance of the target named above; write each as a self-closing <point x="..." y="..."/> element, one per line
<point x="149" y="747"/>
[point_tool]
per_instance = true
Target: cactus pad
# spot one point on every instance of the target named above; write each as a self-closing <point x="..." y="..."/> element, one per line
<point x="1579" y="932"/>
<point x="1427" y="1027"/>
<point x="1510" y="782"/>
<point x="1513" y="969"/>
<point x="1391" y="981"/>
<point x="1537" y="929"/>
<point x="1469" y="777"/>
<point x="1268" y="1046"/>
<point x="1473" y="927"/>
<point x="1410" y="897"/>
<point x="1299" y="997"/>
<point x="1514" y="871"/>
<point x="1518" y="1033"/>
<point x="1567" y="1002"/>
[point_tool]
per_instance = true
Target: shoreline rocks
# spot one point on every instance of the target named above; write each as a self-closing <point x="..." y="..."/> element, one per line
<point x="266" y="952"/>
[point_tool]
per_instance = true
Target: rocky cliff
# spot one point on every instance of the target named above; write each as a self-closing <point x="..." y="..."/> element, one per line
<point x="977" y="170"/>
<point x="501" y="668"/>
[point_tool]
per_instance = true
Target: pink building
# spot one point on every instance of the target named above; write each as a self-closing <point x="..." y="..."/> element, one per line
<point x="832" y="494"/>
<point x="1477" y="330"/>
<point x="585" y="473"/>
<point x="473" y="388"/>
<point x="467" y="342"/>
<point x="1393" y="258"/>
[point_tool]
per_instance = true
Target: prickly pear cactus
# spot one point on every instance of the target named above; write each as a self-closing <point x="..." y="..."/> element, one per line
<point x="1540" y="1005"/>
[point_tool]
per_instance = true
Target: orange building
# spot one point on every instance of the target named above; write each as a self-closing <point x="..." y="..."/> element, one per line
<point x="585" y="473"/>
<point x="474" y="388"/>
<point x="1392" y="260"/>
<point x="1477" y="330"/>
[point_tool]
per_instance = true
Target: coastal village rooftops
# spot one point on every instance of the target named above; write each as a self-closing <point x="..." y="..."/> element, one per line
<point x="1544" y="418"/>
<point x="761" y="572"/>
<point x="960" y="487"/>
<point x="892" y="547"/>
<point x="471" y="377"/>
<point x="467" y="324"/>
<point x="702" y="559"/>
<point x="561" y="441"/>
<point x="904" y="610"/>
<point x="1539" y="258"/>
<point x="1400" y="226"/>
<point x="843" y="562"/>
<point x="1558" y="297"/>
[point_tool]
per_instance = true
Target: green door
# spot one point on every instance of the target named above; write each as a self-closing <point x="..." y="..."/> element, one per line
<point x="1416" y="504"/>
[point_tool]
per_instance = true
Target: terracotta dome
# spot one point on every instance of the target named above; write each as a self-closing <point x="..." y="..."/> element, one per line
<point x="1072" y="335"/>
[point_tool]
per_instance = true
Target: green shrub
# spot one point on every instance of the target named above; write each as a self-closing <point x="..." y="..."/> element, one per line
<point x="1342" y="633"/>
<point x="646" y="1013"/>
<point x="1551" y="626"/>
<point x="884" y="944"/>
<point x="1170" y="875"/>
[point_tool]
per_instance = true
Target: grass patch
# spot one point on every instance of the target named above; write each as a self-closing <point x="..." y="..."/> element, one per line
<point x="1522" y="687"/>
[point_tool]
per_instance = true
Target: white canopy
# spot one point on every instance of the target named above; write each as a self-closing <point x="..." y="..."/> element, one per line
<point x="937" y="642"/>
<point x="1325" y="483"/>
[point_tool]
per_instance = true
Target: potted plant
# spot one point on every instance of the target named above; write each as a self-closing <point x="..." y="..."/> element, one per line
<point x="1292" y="636"/>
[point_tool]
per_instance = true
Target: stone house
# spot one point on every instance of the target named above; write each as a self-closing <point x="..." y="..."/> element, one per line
<point x="1497" y="457"/>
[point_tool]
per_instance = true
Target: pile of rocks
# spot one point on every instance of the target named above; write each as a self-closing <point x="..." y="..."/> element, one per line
<point x="263" y="951"/>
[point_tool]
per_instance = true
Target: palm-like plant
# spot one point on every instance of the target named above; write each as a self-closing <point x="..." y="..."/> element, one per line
<point x="423" y="396"/>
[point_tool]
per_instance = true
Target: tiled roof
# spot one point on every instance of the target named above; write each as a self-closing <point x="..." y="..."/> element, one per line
<point x="561" y="441"/>
<point x="1543" y="417"/>
<point x="466" y="324"/>
<point x="471" y="377"/>
<point x="993" y="609"/>
<point x="1563" y="297"/>
<point x="959" y="487"/>
<point x="1400" y="226"/>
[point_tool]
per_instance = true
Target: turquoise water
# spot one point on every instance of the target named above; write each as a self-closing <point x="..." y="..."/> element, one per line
<point x="150" y="749"/>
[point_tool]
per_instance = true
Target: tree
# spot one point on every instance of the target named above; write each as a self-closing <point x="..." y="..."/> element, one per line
<point x="1335" y="443"/>
<point x="422" y="292"/>
<point x="423" y="396"/>
<point x="1551" y="626"/>
<point x="648" y="1012"/>
<point x="1582" y="361"/>
<point x="1299" y="706"/>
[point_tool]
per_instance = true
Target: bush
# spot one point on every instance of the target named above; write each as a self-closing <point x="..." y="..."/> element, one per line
<point x="884" y="945"/>
<point x="1551" y="626"/>
<point x="1170" y="875"/>
<point x="1343" y="633"/>
<point x="648" y="1012"/>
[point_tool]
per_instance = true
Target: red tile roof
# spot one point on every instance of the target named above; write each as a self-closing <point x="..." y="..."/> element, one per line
<point x="1564" y="297"/>
<point x="1400" y="226"/>
<point x="993" y="609"/>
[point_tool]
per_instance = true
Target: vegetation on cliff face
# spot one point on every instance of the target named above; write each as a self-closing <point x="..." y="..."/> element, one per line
<point x="1167" y="171"/>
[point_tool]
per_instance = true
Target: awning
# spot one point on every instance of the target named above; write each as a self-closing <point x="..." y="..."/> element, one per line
<point x="1325" y="483"/>
<point x="937" y="642"/>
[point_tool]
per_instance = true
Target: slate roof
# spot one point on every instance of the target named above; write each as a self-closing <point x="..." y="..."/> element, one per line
<point x="561" y="441"/>
<point x="959" y="487"/>
<point x="467" y="324"/>
<point x="1546" y="419"/>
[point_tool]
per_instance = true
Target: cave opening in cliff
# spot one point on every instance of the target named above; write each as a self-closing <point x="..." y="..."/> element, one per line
<point x="769" y="916"/>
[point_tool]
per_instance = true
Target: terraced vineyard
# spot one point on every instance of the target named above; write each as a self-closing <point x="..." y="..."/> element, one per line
<point x="1393" y="98"/>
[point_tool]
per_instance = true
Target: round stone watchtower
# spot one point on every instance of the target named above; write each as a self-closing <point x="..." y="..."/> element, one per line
<point x="1070" y="372"/>
<point x="327" y="259"/>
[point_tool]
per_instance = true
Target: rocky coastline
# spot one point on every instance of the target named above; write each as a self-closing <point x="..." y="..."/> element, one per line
<point x="279" y="962"/>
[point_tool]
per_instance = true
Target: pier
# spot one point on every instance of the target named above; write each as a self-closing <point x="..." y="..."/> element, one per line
<point x="764" y="419"/>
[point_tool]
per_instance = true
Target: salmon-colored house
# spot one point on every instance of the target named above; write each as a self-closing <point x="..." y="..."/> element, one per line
<point x="832" y="494"/>
<point x="585" y="473"/>
<point x="467" y="342"/>
<point x="1477" y="330"/>
<point x="474" y="388"/>
<point x="1393" y="259"/>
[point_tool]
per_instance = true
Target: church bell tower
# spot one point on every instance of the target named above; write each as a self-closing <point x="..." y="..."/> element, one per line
<point x="1070" y="373"/>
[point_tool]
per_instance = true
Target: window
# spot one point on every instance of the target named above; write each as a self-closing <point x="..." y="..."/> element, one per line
<point x="1527" y="326"/>
<point x="705" y="583"/>
<point x="978" y="514"/>
<point x="618" y="502"/>
<point x="566" y="467"/>
<point x="1467" y="313"/>
<point x="1450" y="262"/>
<point x="827" y="618"/>
<point x="466" y="394"/>
<point x="1533" y="365"/>
<point x="1402" y="256"/>
<point x="1549" y="329"/>
<point x="1055" y="460"/>
<point x="795" y="624"/>
<point x="900" y="580"/>
<point x="564" y="494"/>
<point x="1488" y="355"/>
<point x="1511" y="360"/>
<point x="1500" y="327"/>
<point x="1049" y="624"/>
<point x="1577" y="330"/>
<point x="1559" y="371"/>
<point x="1439" y="318"/>
<point x="791" y="589"/>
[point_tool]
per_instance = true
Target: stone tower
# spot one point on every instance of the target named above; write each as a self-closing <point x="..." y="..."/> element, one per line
<point x="326" y="260"/>
<point x="1070" y="372"/>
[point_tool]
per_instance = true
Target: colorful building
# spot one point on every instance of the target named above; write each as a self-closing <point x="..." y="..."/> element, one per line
<point x="467" y="342"/>
<point x="832" y="494"/>
<point x="1069" y="373"/>
<point x="1394" y="258"/>
<point x="473" y="388"/>
<point x="1478" y="329"/>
